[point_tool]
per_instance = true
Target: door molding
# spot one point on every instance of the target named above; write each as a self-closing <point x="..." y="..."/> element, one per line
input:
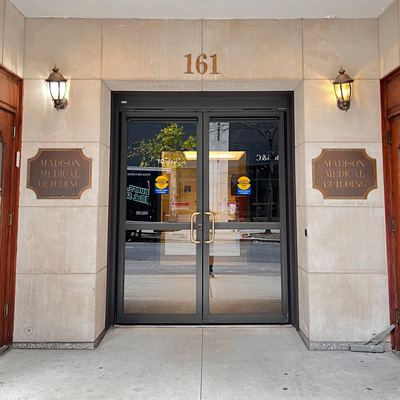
<point x="390" y="108"/>
<point x="11" y="91"/>
<point x="152" y="103"/>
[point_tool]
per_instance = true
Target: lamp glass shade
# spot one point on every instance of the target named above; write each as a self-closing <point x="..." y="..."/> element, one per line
<point x="343" y="88"/>
<point x="57" y="90"/>
<point x="343" y="91"/>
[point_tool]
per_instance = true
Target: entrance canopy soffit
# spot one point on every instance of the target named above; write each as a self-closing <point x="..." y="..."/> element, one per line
<point x="203" y="9"/>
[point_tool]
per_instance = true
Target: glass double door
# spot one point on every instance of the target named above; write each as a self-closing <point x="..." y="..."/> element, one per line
<point x="202" y="235"/>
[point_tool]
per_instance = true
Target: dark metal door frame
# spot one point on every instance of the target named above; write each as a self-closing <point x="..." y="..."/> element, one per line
<point x="158" y="318"/>
<point x="230" y="116"/>
<point x="284" y="113"/>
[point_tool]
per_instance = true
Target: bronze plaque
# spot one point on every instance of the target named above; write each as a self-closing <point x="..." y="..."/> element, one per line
<point x="59" y="173"/>
<point x="344" y="173"/>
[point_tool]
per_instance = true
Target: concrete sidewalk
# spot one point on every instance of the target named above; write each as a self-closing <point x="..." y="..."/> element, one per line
<point x="192" y="363"/>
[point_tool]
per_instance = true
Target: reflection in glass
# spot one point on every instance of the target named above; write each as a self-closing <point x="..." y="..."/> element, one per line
<point x="245" y="272"/>
<point x="160" y="273"/>
<point x="161" y="180"/>
<point x="246" y="150"/>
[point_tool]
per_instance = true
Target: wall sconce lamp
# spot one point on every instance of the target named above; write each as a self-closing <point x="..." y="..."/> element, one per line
<point x="343" y="87"/>
<point x="57" y="87"/>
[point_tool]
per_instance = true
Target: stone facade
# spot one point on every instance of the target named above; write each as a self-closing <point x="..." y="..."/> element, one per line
<point x="62" y="244"/>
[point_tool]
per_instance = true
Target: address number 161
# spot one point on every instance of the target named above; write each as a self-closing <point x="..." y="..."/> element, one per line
<point x="201" y="64"/>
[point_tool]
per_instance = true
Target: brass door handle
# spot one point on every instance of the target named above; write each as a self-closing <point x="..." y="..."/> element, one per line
<point x="212" y="227"/>
<point x="192" y="228"/>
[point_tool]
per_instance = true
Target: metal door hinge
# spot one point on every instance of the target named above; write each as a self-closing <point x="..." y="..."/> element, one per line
<point x="396" y="316"/>
<point x="389" y="137"/>
<point x="10" y="219"/>
<point x="14" y="132"/>
<point x="393" y="224"/>
<point x="5" y="310"/>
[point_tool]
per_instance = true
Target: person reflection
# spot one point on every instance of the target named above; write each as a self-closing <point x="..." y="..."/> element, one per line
<point x="211" y="267"/>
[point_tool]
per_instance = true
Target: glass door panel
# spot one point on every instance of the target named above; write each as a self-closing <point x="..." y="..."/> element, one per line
<point x="244" y="171"/>
<point x="245" y="272"/>
<point x="161" y="171"/>
<point x="160" y="273"/>
<point x="245" y="194"/>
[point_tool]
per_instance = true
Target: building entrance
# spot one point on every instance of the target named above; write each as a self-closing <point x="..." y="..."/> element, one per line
<point x="203" y="216"/>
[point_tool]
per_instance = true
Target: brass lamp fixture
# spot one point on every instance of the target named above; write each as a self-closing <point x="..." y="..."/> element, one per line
<point x="57" y="88"/>
<point x="343" y="88"/>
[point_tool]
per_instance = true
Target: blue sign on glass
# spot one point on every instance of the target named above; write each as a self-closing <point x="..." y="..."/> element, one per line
<point x="161" y="191"/>
<point x="243" y="191"/>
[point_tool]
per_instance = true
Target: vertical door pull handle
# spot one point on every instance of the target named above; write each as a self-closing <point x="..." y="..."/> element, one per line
<point x="212" y="227"/>
<point x="192" y="228"/>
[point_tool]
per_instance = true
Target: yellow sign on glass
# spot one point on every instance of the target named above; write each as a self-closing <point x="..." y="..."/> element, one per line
<point x="243" y="186"/>
<point x="243" y="183"/>
<point x="161" y="185"/>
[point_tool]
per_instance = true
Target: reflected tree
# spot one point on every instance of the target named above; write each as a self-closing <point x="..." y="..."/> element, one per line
<point x="268" y="134"/>
<point x="165" y="150"/>
<point x="267" y="147"/>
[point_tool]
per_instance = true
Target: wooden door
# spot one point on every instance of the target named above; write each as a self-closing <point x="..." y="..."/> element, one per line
<point x="390" y="89"/>
<point x="10" y="99"/>
<point x="394" y="150"/>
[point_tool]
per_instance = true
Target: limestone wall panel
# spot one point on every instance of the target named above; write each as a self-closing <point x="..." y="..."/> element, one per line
<point x="2" y="15"/>
<point x="101" y="294"/>
<point x="57" y="240"/>
<point x="250" y="85"/>
<point x="346" y="240"/>
<point x="104" y="178"/>
<point x="79" y="122"/>
<point x="302" y="241"/>
<point x="73" y="44"/>
<point x="14" y="36"/>
<point x="102" y="238"/>
<point x="325" y="122"/>
<point x="389" y="40"/>
<point x="299" y="121"/>
<point x="301" y="182"/>
<point x="149" y="49"/>
<point x="304" y="299"/>
<point x="352" y="43"/>
<point x="55" y="308"/>
<point x="254" y="49"/>
<point x="347" y="307"/>
<point x="105" y="117"/>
